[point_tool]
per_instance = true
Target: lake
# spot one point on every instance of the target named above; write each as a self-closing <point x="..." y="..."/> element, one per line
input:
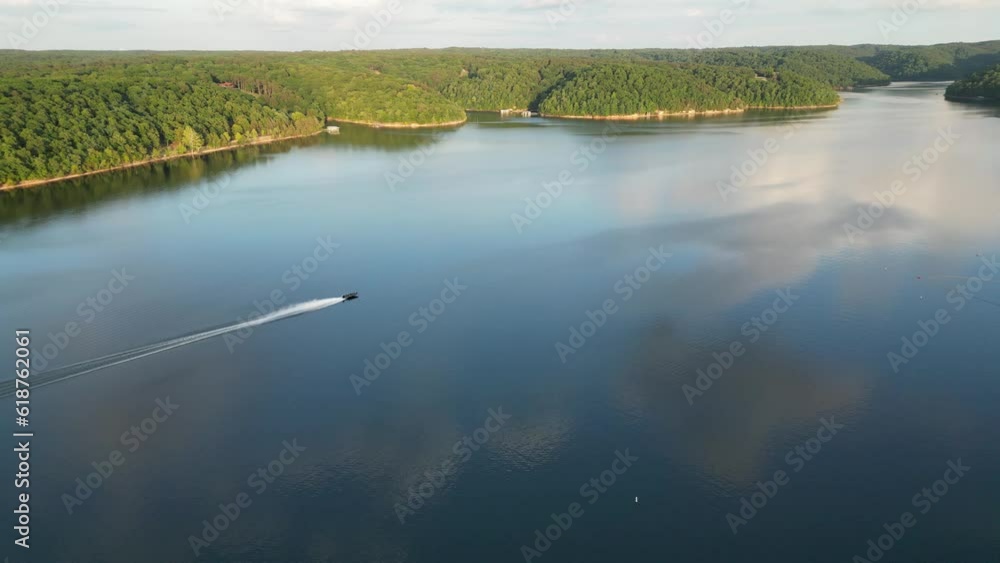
<point x="755" y="338"/>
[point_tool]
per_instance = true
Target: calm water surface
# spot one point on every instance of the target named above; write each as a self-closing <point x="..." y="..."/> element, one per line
<point x="203" y="256"/>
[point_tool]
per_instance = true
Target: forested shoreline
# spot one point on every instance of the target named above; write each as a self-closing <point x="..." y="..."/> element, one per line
<point x="66" y="113"/>
<point x="978" y="87"/>
<point x="153" y="160"/>
<point x="625" y="90"/>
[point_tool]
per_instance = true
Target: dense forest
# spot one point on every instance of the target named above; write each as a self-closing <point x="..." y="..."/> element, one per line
<point x="64" y="113"/>
<point x="58" y="127"/>
<point x="630" y="89"/>
<point x="837" y="70"/>
<point x="948" y="61"/>
<point x="491" y="83"/>
<point x="775" y="89"/>
<point x="980" y="86"/>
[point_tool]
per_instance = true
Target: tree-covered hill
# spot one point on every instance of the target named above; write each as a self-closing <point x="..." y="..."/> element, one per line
<point x="494" y="84"/>
<point x="649" y="88"/>
<point x="980" y="86"/>
<point x="784" y="89"/>
<point x="57" y="127"/>
<point x="67" y="112"/>
<point x="948" y="61"/>
<point x="838" y="70"/>
<point x="634" y="89"/>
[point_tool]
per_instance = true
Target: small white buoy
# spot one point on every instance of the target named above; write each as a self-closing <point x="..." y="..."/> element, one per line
<point x="637" y="500"/>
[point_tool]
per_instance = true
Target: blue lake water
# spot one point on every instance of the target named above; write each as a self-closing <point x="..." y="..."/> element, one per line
<point x="513" y="342"/>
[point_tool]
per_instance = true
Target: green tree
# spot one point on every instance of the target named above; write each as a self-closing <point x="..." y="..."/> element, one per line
<point x="191" y="140"/>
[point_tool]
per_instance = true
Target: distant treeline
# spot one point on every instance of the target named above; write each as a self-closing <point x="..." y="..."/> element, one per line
<point x="64" y="113"/>
<point x="835" y="69"/>
<point x="948" y="61"/>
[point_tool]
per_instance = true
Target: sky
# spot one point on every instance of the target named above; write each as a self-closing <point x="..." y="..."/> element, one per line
<point x="327" y="25"/>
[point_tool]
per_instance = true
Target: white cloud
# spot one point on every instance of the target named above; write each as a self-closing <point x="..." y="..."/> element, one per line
<point x="326" y="24"/>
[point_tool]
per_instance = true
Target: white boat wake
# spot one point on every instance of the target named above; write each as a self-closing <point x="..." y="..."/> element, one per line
<point x="118" y="358"/>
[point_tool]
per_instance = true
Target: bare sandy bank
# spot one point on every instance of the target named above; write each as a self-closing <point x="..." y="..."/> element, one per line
<point x="381" y="125"/>
<point x="688" y="113"/>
